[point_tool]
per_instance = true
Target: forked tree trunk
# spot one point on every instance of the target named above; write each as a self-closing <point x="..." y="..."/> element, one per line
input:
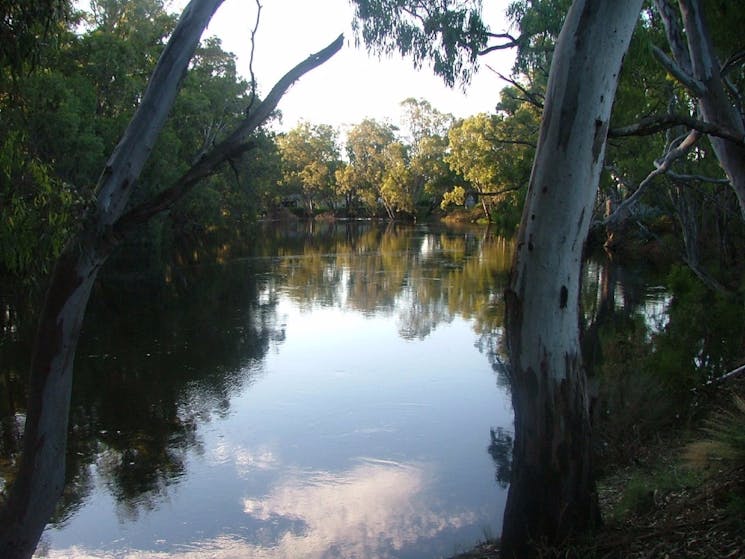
<point x="697" y="67"/>
<point x="715" y="105"/>
<point x="33" y="495"/>
<point x="552" y="492"/>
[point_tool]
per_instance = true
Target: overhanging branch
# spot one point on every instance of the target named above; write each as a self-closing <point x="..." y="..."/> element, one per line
<point x="510" y="42"/>
<point x="232" y="146"/>
<point x="657" y="123"/>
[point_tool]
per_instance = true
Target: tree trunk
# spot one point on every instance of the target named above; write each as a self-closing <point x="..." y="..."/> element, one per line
<point x="716" y="106"/>
<point x="34" y="493"/>
<point x="552" y="493"/>
<point x="486" y="207"/>
<point x="699" y="70"/>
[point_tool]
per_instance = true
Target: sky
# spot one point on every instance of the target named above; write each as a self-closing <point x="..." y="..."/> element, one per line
<point x="353" y="85"/>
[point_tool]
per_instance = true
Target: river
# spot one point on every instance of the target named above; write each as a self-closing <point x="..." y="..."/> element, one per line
<point x="333" y="391"/>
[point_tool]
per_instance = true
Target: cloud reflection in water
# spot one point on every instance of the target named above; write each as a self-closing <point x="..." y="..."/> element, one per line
<point x="373" y="509"/>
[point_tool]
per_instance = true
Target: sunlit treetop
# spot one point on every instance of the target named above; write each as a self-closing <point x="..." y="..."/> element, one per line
<point x="445" y="34"/>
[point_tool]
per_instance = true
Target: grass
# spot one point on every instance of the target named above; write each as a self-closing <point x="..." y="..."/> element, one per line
<point x="725" y="439"/>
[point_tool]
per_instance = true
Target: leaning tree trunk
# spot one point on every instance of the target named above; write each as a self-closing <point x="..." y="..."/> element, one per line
<point x="33" y="495"/>
<point x="552" y="493"/>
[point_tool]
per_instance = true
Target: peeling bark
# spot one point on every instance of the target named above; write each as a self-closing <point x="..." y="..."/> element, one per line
<point x="552" y="492"/>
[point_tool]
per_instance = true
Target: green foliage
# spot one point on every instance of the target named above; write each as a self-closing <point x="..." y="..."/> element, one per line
<point x="365" y="173"/>
<point x="703" y="337"/>
<point x="448" y="34"/>
<point x="37" y="211"/>
<point x="539" y="24"/>
<point x="431" y="176"/>
<point x="63" y="114"/>
<point x="456" y="196"/>
<point x="494" y="154"/>
<point x="646" y="490"/>
<point x="310" y="157"/>
<point x="24" y="28"/>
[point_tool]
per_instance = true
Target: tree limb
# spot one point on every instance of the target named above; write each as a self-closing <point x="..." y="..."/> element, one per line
<point x="656" y="123"/>
<point x="674" y="33"/>
<point x="511" y="42"/>
<point x="696" y="178"/>
<point x="661" y="167"/>
<point x="232" y="146"/>
<point x="532" y="98"/>
<point x="251" y="57"/>
<point x="496" y="193"/>
<point x="688" y="81"/>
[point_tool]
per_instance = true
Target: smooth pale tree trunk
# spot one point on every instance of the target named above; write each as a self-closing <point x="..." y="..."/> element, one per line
<point x="552" y="492"/>
<point x="714" y="103"/>
<point x="696" y="66"/>
<point x="35" y="491"/>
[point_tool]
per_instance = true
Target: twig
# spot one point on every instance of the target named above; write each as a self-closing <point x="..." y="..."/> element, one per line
<point x="726" y="376"/>
<point x="251" y="57"/>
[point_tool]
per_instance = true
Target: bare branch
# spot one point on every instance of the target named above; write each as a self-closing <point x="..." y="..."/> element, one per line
<point x="251" y="57"/>
<point x="511" y="42"/>
<point x="732" y="61"/>
<point x="661" y="167"/>
<point x="232" y="146"/>
<point x="657" y="123"/>
<point x="530" y="97"/>
<point x="696" y="178"/>
<point x="688" y="81"/>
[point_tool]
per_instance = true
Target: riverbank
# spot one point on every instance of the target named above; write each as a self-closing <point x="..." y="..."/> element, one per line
<point x="678" y="498"/>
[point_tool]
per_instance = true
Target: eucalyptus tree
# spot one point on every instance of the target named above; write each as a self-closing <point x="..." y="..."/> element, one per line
<point x="552" y="490"/>
<point x="365" y="172"/>
<point x="397" y="191"/>
<point x="108" y="218"/>
<point x="428" y="130"/>
<point x="489" y="153"/>
<point x="310" y="157"/>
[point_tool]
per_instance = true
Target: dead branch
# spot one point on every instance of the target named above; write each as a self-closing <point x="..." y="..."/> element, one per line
<point x="232" y="146"/>
<point x="251" y="57"/>
<point x="661" y="167"/>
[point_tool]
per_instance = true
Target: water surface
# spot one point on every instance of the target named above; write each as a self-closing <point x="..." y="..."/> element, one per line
<point x="327" y="395"/>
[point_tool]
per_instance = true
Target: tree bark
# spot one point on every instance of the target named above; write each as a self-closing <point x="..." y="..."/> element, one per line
<point x="40" y="480"/>
<point x="552" y="492"/>
<point x="699" y="70"/>
<point x="715" y="105"/>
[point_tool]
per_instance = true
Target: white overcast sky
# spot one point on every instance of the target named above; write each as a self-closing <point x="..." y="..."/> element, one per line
<point x="352" y="85"/>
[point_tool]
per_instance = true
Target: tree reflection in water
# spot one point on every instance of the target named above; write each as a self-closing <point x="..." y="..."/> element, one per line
<point x="159" y="358"/>
<point x="201" y="336"/>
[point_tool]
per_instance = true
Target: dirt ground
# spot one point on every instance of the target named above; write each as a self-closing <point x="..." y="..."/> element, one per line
<point x="702" y="519"/>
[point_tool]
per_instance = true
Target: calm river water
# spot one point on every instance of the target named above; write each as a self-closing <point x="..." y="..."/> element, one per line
<point x="331" y="394"/>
